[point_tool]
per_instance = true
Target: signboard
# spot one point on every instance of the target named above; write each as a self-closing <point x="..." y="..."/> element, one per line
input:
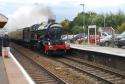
<point x="106" y="29"/>
<point x="3" y="20"/>
<point x="100" y="29"/>
<point x="92" y="26"/>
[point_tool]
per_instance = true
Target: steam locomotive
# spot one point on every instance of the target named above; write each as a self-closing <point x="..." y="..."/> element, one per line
<point x="43" y="37"/>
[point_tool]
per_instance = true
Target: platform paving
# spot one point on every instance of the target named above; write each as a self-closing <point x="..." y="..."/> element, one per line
<point x="106" y="50"/>
<point x="3" y="74"/>
<point x="15" y="76"/>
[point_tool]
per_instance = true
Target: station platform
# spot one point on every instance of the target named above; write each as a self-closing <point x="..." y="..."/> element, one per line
<point x="106" y="50"/>
<point x="3" y="74"/>
<point x="11" y="72"/>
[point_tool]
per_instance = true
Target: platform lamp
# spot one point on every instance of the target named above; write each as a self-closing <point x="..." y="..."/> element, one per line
<point x="104" y="20"/>
<point x="83" y="20"/>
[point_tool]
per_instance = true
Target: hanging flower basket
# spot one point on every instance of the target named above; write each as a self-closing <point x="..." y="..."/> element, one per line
<point x="3" y="20"/>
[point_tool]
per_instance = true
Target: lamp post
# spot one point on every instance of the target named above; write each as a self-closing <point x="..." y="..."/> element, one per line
<point x="83" y="20"/>
<point x="104" y="20"/>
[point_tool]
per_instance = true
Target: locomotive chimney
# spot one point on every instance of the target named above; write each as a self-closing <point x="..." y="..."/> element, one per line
<point x="51" y="21"/>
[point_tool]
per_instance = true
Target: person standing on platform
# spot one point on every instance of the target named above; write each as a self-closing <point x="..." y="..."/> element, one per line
<point x="5" y="46"/>
<point x="0" y="46"/>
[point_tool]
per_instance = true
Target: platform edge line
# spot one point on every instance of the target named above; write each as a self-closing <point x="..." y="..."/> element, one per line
<point x="29" y="79"/>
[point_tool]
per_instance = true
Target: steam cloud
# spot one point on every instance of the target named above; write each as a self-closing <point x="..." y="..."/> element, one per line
<point x="27" y="16"/>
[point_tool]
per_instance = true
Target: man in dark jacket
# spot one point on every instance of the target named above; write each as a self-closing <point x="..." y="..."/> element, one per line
<point x="6" y="41"/>
<point x="0" y="46"/>
<point x="5" y="45"/>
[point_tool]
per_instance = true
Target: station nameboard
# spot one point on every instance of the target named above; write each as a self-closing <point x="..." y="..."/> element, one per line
<point x="91" y="26"/>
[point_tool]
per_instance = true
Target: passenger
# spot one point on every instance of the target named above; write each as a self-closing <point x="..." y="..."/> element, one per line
<point x="0" y="46"/>
<point x="5" y="46"/>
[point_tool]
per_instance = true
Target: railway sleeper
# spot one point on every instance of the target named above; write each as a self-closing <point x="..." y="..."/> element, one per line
<point x="42" y="77"/>
<point x="120" y="81"/>
<point x="98" y="74"/>
<point x="103" y="75"/>
<point x="94" y="72"/>
<point x="46" y="82"/>
<point x="109" y="77"/>
<point x="88" y="69"/>
<point x="116" y="79"/>
<point x="39" y="74"/>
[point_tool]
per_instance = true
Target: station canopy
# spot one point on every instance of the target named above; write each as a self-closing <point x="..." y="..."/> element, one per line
<point x="3" y="20"/>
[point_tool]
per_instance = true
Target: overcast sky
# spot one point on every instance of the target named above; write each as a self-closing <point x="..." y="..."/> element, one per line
<point x="61" y="9"/>
<point x="65" y="8"/>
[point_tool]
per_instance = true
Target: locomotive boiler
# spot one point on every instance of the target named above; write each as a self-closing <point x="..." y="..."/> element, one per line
<point x="43" y="37"/>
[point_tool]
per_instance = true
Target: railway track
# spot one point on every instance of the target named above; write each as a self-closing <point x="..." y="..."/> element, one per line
<point x="38" y="73"/>
<point x="103" y="75"/>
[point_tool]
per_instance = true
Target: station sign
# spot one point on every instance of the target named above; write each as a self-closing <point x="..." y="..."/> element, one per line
<point x="92" y="26"/>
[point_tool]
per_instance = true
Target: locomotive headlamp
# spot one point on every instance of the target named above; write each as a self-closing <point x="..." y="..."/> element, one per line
<point x="49" y="43"/>
<point x="67" y="45"/>
<point x="50" y="47"/>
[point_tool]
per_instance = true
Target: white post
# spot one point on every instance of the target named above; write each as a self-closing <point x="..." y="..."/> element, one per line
<point x="83" y="19"/>
<point x="92" y="27"/>
<point x="95" y="35"/>
<point x="88" y="36"/>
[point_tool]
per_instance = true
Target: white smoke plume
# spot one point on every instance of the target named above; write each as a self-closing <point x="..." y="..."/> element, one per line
<point x="28" y="15"/>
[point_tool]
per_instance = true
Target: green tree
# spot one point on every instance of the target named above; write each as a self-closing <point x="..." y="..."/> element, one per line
<point x="121" y="28"/>
<point x="77" y="29"/>
<point x="80" y="20"/>
<point x="114" y="20"/>
<point x="66" y="25"/>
